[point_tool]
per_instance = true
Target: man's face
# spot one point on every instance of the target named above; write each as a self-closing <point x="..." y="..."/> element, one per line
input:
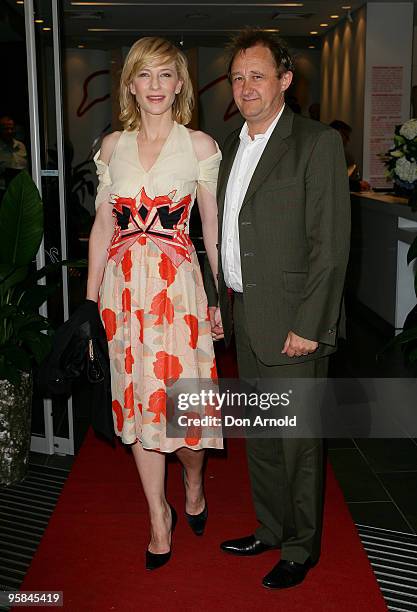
<point x="7" y="129"/>
<point x="257" y="90"/>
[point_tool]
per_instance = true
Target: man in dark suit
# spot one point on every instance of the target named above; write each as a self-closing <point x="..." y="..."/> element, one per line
<point x="284" y="223"/>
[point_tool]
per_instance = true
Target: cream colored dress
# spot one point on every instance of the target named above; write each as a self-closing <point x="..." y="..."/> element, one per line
<point x="152" y="300"/>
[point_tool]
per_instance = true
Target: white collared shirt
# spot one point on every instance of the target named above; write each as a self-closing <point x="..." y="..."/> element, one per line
<point x="246" y="160"/>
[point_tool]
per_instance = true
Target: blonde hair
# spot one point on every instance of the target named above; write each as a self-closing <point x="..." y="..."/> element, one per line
<point x="153" y="50"/>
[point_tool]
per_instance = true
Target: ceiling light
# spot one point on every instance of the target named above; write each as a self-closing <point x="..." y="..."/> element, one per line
<point x="81" y="46"/>
<point x="324" y="25"/>
<point x="334" y="16"/>
<point x="46" y="29"/>
<point x="38" y="20"/>
<point x="311" y="46"/>
<point x="346" y="8"/>
<point x="19" y="1"/>
<point x="313" y="32"/>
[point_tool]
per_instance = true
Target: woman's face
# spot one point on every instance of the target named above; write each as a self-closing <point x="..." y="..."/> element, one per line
<point x="155" y="87"/>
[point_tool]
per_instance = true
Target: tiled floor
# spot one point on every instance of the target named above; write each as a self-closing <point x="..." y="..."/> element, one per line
<point x="378" y="476"/>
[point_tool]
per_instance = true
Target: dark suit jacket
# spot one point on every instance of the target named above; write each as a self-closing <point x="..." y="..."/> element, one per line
<point x="294" y="229"/>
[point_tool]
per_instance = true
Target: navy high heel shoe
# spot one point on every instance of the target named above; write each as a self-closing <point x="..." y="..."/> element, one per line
<point x="156" y="560"/>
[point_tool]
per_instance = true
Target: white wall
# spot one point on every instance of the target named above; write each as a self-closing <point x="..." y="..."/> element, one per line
<point x="86" y="119"/>
<point x="343" y="77"/>
<point x="389" y="50"/>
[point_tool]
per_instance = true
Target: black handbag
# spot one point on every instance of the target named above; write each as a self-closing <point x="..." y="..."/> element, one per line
<point x="94" y="367"/>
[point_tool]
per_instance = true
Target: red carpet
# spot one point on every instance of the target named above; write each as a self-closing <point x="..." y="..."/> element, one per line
<point x="93" y="549"/>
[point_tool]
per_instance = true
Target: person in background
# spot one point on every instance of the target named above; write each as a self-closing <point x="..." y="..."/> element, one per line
<point x="356" y="183"/>
<point x="13" y="155"/>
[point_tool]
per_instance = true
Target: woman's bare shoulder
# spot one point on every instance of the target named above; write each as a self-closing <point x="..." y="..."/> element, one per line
<point x="107" y="146"/>
<point x="204" y="145"/>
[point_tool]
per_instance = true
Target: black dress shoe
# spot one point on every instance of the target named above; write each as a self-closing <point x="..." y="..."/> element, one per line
<point x="245" y="547"/>
<point x="197" y="522"/>
<point x="287" y="574"/>
<point x="156" y="560"/>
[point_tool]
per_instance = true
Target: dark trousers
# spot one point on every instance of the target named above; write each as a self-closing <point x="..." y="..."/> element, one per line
<point x="286" y="473"/>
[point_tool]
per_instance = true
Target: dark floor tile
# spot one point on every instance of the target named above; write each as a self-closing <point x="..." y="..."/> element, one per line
<point x="389" y="455"/>
<point x="358" y="482"/>
<point x="38" y="458"/>
<point x="402" y="487"/>
<point x="340" y="443"/>
<point x="64" y="462"/>
<point x="379" y="514"/>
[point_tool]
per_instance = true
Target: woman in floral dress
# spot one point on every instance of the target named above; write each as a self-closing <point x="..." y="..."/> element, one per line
<point x="144" y="273"/>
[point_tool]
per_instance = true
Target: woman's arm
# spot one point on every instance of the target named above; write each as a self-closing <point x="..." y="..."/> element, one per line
<point x="102" y="230"/>
<point x="205" y="147"/>
<point x="100" y="237"/>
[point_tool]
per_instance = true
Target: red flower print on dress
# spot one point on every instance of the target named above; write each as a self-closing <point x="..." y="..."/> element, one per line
<point x="129" y="361"/>
<point x="140" y="314"/>
<point x="167" y="270"/>
<point x="109" y="321"/>
<point x="192" y="323"/>
<point x="162" y="306"/>
<point x="157" y="404"/>
<point x="126" y="300"/>
<point x="127" y="266"/>
<point x="193" y="434"/>
<point x="129" y="397"/>
<point x="167" y="367"/>
<point x="117" y="409"/>
<point x="213" y="371"/>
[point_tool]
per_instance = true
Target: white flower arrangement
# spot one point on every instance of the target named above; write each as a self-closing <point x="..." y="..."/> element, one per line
<point x="401" y="160"/>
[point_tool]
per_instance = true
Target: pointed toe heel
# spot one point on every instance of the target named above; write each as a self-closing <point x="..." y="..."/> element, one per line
<point x="154" y="561"/>
<point x="197" y="522"/>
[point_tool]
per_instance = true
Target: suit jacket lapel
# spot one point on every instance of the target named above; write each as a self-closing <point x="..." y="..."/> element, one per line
<point x="273" y="152"/>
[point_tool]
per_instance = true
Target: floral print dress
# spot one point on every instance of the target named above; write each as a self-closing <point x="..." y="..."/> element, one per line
<point x="152" y="300"/>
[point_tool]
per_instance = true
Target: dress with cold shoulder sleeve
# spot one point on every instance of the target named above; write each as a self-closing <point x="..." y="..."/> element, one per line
<point x="152" y="300"/>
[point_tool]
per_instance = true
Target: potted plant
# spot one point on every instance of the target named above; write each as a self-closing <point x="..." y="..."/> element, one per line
<point x="24" y="338"/>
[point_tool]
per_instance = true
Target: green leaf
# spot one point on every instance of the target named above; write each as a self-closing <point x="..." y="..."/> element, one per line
<point x="412" y="356"/>
<point x="10" y="276"/>
<point x="40" y="347"/>
<point x="412" y="251"/>
<point x="34" y="297"/>
<point x="31" y="321"/>
<point x="8" y="372"/>
<point x="17" y="357"/>
<point x="21" y="221"/>
<point x="406" y="336"/>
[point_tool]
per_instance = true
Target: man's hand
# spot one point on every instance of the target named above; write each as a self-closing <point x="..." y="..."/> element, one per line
<point x="295" y="346"/>
<point x="216" y="323"/>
